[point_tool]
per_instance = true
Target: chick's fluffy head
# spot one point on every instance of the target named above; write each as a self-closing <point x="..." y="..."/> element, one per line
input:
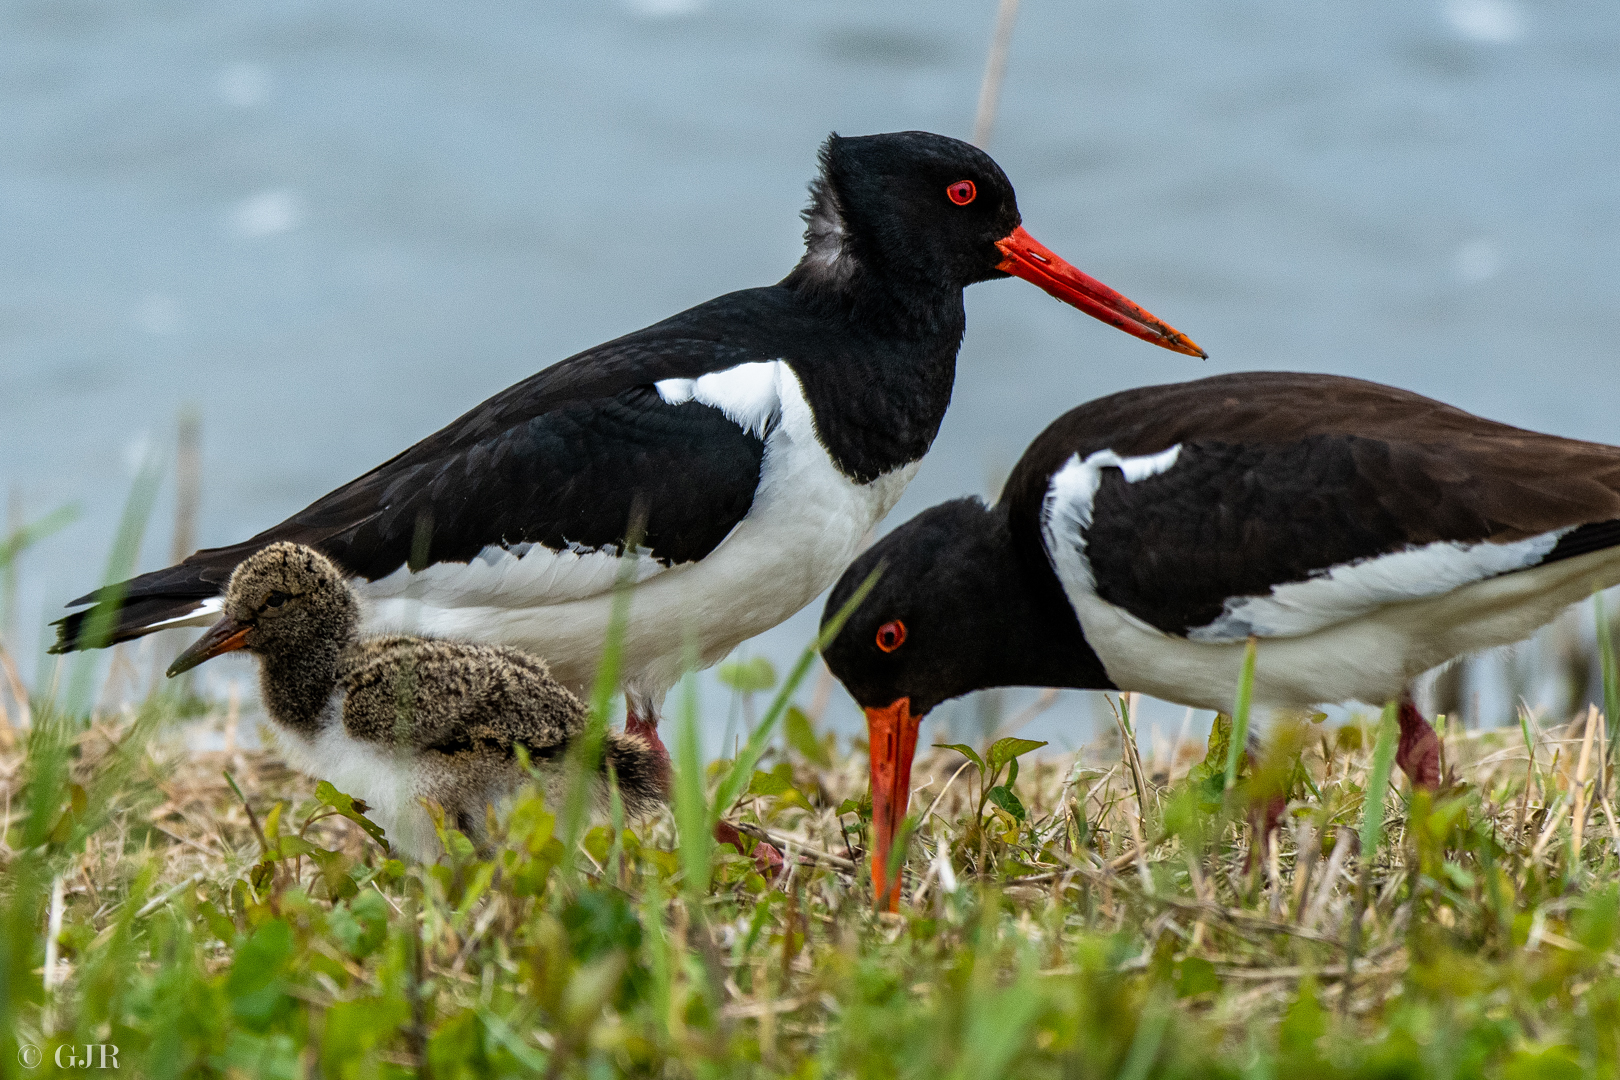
<point x="290" y="595"/>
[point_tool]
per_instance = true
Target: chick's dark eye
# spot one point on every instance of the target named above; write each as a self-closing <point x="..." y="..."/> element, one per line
<point x="962" y="192"/>
<point x="891" y="635"/>
<point x="277" y="598"/>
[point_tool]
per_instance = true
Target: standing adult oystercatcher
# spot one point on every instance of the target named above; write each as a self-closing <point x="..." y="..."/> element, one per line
<point x="749" y="442"/>
<point x="1361" y="534"/>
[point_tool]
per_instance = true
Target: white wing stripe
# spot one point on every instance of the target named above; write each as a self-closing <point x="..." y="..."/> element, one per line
<point x="749" y="394"/>
<point x="1347" y="591"/>
<point x="1066" y="511"/>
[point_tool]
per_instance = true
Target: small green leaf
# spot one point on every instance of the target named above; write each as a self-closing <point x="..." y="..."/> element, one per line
<point x="861" y="807"/>
<point x="749" y="676"/>
<point x="335" y="874"/>
<point x="262" y="875"/>
<point x="965" y="750"/>
<point x="1459" y="876"/>
<point x="1004" y="750"/>
<point x="801" y="735"/>
<point x="1209" y="775"/>
<point x="1003" y="797"/>
<point x="296" y="845"/>
<point x="778" y="781"/>
<point x="272" y="823"/>
<point x="351" y="808"/>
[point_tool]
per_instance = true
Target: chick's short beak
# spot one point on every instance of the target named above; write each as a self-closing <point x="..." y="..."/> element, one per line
<point x="225" y="636"/>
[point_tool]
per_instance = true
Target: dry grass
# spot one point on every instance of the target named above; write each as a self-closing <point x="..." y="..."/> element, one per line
<point x="1094" y="933"/>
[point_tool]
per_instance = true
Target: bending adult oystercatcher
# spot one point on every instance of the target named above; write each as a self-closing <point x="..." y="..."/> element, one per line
<point x="749" y="442"/>
<point x="1362" y="534"/>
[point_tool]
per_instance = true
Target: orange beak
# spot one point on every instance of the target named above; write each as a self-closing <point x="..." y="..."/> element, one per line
<point x="1031" y="260"/>
<point x="225" y="636"/>
<point x="892" y="733"/>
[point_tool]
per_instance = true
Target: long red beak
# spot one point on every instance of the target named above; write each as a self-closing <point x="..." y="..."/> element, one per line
<point x="225" y="636"/>
<point x="1031" y="260"/>
<point x="892" y="733"/>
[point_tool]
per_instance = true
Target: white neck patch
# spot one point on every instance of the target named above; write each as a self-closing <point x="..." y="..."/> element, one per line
<point x="1066" y="510"/>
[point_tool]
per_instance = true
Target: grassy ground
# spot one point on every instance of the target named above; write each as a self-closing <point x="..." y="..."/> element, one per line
<point x="215" y="914"/>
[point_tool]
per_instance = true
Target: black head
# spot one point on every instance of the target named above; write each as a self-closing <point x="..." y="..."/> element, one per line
<point x="910" y="206"/>
<point x="917" y="217"/>
<point x="285" y="599"/>
<point x="955" y="608"/>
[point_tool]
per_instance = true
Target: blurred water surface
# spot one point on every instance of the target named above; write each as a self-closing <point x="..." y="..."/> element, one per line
<point x="334" y="227"/>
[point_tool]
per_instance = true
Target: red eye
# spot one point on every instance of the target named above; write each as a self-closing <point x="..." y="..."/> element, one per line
<point x="891" y="635"/>
<point x="962" y="192"/>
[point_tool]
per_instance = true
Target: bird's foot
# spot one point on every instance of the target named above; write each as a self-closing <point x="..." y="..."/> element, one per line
<point x="1418" y="754"/>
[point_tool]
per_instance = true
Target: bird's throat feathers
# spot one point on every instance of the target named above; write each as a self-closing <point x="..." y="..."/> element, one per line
<point x="298" y="684"/>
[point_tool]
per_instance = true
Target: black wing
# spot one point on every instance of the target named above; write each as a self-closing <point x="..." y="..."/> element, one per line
<point x="1282" y="477"/>
<point x="568" y="456"/>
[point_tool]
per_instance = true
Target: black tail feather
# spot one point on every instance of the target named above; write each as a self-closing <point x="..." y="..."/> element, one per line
<point x="1584" y="540"/>
<point x="135" y="618"/>
<point x="146" y="601"/>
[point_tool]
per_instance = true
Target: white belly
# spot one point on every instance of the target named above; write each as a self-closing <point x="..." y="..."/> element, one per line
<point x="1369" y="658"/>
<point x="386" y="781"/>
<point x="806" y="524"/>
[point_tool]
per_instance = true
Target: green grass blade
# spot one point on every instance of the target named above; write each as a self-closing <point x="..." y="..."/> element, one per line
<point x="585" y="755"/>
<point x="1611" y="682"/>
<point x="1240" y="714"/>
<point x="32" y="533"/>
<point x="692" y="813"/>
<point x="1383" y="760"/>
<point x="736" y="779"/>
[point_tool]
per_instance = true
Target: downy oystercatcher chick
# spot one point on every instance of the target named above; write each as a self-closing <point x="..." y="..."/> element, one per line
<point x="750" y="443"/>
<point x="393" y="720"/>
<point x="1362" y="534"/>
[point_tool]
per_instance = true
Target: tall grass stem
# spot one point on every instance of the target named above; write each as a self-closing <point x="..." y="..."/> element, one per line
<point x="1240" y="713"/>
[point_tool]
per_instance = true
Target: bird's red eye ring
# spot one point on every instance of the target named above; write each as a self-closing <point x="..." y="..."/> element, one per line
<point x="962" y="192"/>
<point x="891" y="635"/>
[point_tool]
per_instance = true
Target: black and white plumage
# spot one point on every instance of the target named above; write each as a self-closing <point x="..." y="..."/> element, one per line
<point x="1362" y="534"/>
<point x="750" y="442"/>
<point x="397" y="719"/>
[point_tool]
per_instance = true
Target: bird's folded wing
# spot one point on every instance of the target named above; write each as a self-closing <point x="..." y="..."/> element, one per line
<point x="609" y="445"/>
<point x="1346" y="497"/>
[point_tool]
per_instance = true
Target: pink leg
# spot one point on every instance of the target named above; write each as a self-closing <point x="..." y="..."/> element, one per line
<point x="1419" y="752"/>
<point x="766" y="857"/>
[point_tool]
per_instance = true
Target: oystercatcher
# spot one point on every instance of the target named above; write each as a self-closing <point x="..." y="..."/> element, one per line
<point x="396" y="719"/>
<point x="749" y="442"/>
<point x="1362" y="534"/>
